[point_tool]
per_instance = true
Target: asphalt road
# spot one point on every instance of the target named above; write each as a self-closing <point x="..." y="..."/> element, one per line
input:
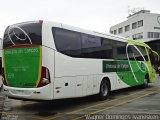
<point x="126" y="104"/>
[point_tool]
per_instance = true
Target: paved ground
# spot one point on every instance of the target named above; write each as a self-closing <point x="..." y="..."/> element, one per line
<point x="126" y="104"/>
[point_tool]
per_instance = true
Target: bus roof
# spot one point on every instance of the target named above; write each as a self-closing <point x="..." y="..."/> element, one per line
<point x="106" y="35"/>
<point x="65" y="26"/>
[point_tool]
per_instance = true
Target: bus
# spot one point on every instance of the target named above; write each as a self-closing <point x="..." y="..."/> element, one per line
<point x="45" y="60"/>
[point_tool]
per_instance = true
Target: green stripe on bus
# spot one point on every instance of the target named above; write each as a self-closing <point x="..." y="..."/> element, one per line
<point x="132" y="74"/>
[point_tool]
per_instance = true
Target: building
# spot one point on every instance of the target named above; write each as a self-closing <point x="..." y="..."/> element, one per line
<point x="143" y="26"/>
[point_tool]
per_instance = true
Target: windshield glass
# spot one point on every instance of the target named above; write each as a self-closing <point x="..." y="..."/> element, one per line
<point x="25" y="33"/>
<point x="154" y="59"/>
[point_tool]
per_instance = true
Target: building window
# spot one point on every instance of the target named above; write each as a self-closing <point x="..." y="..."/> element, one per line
<point x="134" y="25"/>
<point x="115" y="32"/>
<point x="111" y="32"/>
<point x="120" y="30"/>
<point x="140" y="23"/>
<point x="150" y="34"/>
<point x="153" y="35"/>
<point x="127" y="28"/>
<point x="156" y="35"/>
<point x="137" y="36"/>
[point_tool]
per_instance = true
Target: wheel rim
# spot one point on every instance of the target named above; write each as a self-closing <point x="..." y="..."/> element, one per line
<point x="104" y="90"/>
<point x="145" y="82"/>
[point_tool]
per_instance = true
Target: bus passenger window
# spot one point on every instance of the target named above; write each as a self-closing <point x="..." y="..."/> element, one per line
<point x="67" y="42"/>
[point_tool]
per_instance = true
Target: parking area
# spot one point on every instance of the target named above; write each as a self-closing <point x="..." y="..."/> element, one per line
<point x="130" y="103"/>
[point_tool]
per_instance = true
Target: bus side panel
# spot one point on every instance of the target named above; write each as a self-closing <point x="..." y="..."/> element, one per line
<point x="79" y="86"/>
<point x="80" y="75"/>
<point x="48" y="62"/>
<point x="77" y="77"/>
<point x="65" y="87"/>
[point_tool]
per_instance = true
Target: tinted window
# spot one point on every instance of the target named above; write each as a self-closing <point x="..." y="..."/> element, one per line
<point x="82" y="45"/>
<point x="91" y="46"/>
<point x="107" y="48"/>
<point x="143" y="51"/>
<point x="121" y="50"/>
<point x="96" y="47"/>
<point x="67" y="42"/>
<point x="137" y="53"/>
<point x="152" y="57"/>
<point x="29" y="33"/>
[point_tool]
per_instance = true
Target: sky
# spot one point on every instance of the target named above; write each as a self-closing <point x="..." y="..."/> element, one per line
<point x="96" y="15"/>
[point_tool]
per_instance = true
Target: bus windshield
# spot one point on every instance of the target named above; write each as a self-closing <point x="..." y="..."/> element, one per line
<point x="154" y="58"/>
<point x="25" y="33"/>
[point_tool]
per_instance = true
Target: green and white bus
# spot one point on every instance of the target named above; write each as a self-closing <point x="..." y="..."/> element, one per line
<point x="45" y="61"/>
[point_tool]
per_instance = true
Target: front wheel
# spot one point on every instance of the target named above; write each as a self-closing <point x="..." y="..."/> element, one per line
<point x="104" y="90"/>
<point x="145" y="84"/>
<point x="1" y="88"/>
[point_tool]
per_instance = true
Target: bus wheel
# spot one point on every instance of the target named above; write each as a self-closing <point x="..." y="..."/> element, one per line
<point x="104" y="90"/>
<point x="1" y="88"/>
<point x="145" y="84"/>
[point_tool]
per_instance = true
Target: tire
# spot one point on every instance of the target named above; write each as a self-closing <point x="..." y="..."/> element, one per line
<point x="104" y="90"/>
<point x="145" y="84"/>
<point x="1" y="88"/>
